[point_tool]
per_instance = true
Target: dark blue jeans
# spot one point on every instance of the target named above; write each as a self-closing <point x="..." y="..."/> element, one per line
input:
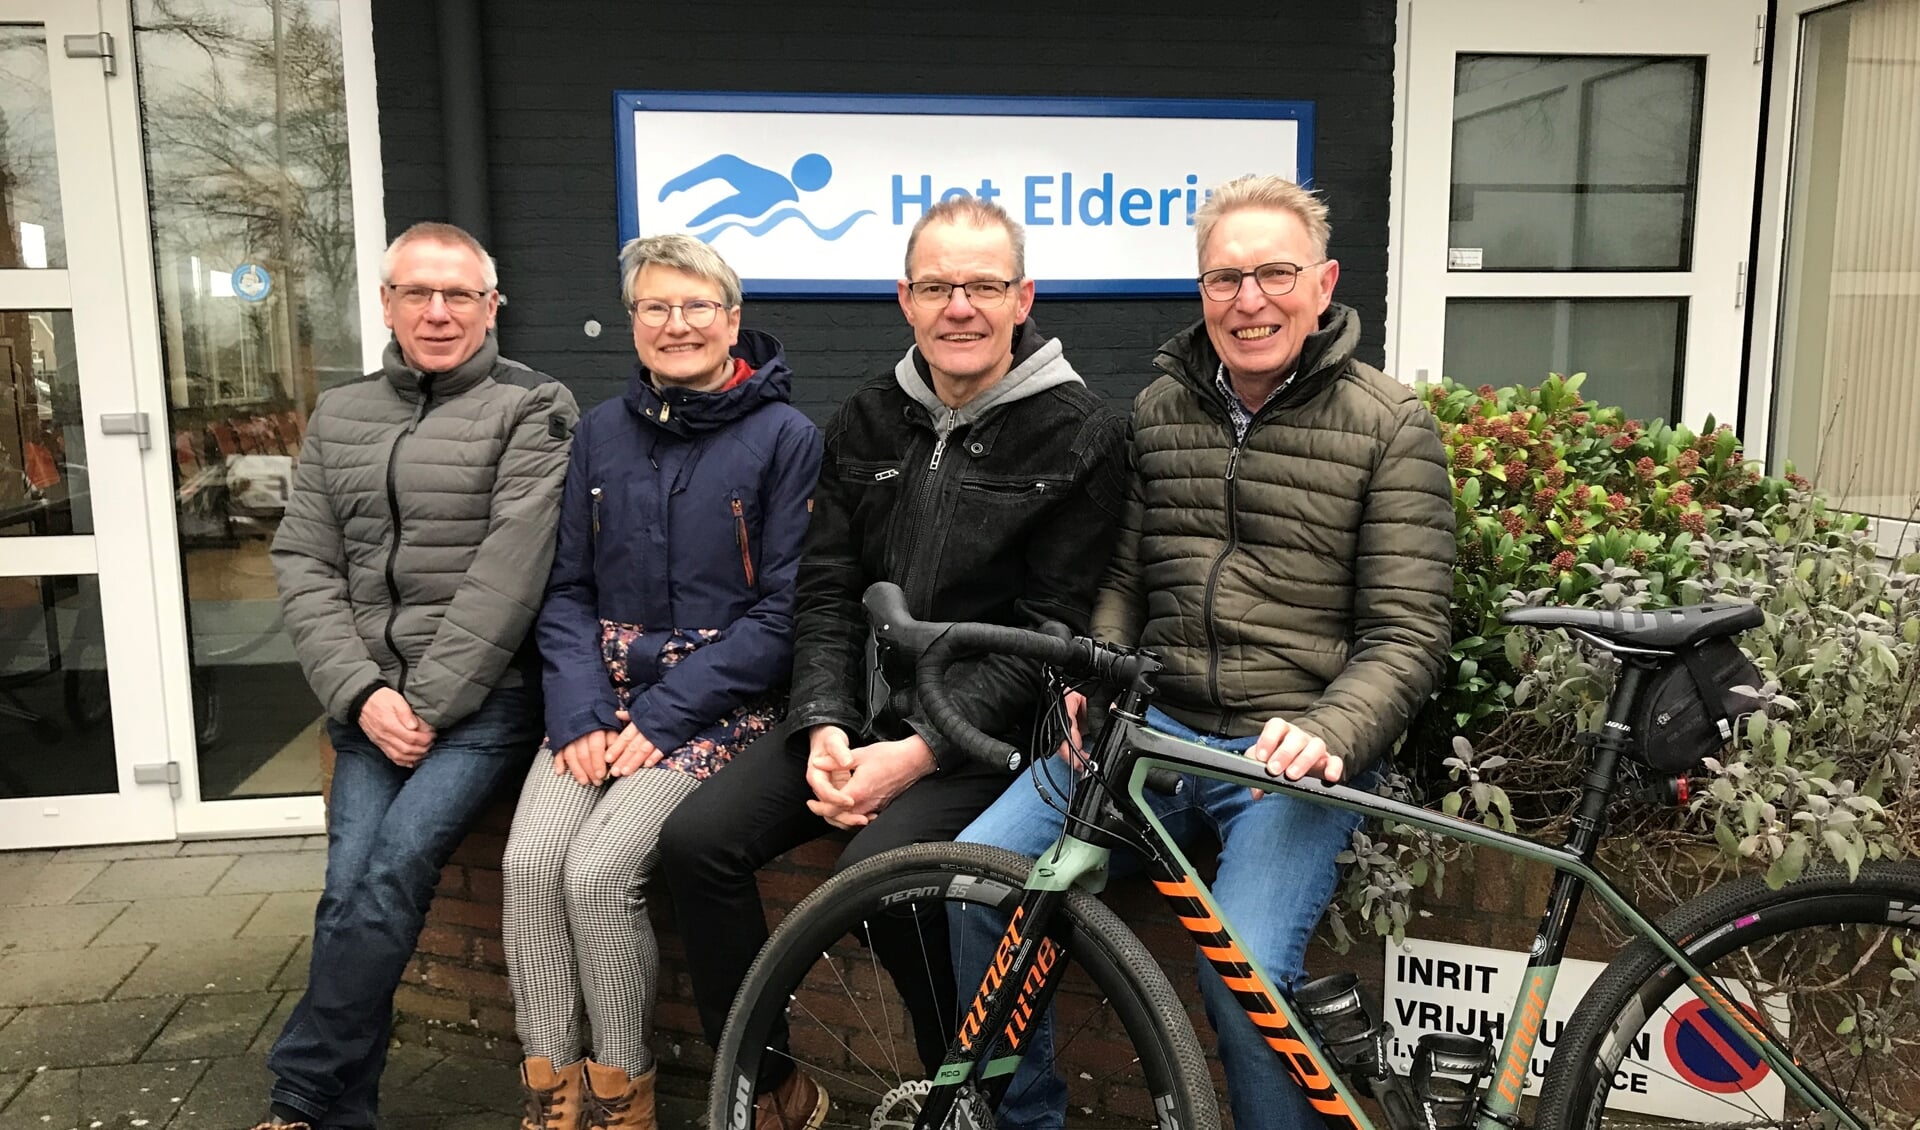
<point x="389" y="832"/>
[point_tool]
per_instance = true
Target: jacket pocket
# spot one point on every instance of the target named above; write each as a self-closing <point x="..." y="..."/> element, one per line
<point x="1013" y="489"/>
<point x="739" y="510"/>
<point x="870" y="474"/>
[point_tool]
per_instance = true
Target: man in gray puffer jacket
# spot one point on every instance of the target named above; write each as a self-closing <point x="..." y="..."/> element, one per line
<point x="411" y="562"/>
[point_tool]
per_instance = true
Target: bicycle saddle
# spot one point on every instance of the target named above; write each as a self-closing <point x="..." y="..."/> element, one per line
<point x="1665" y="629"/>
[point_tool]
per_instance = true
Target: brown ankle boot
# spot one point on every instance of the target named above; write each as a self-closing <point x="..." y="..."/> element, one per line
<point x="618" y="1101"/>
<point x="556" y="1100"/>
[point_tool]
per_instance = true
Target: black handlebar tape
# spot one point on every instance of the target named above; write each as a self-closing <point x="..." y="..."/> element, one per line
<point x="984" y="639"/>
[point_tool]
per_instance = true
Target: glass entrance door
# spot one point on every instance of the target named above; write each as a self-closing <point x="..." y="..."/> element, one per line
<point x="82" y="756"/>
<point x="1578" y="197"/>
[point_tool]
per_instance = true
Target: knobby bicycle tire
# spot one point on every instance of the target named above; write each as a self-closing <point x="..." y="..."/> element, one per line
<point x="1815" y="953"/>
<point x="851" y="1033"/>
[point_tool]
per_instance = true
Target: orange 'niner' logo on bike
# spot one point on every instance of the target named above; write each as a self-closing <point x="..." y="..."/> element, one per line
<point x="1236" y="972"/>
<point x="1044" y="960"/>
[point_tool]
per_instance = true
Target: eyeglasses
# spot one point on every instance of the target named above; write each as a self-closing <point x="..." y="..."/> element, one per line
<point x="459" y="299"/>
<point x="698" y="314"/>
<point x="982" y="294"/>
<point x="1223" y="285"/>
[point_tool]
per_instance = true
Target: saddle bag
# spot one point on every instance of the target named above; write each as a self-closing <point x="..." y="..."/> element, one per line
<point x="1690" y="712"/>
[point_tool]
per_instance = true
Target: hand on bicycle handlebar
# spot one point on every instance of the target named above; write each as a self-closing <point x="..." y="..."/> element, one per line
<point x="852" y="785"/>
<point x="1293" y="752"/>
<point x="1073" y="747"/>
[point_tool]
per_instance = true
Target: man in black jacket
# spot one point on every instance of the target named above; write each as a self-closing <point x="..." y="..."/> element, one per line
<point x="984" y="479"/>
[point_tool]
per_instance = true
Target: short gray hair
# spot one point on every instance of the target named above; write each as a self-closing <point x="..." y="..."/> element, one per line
<point x="681" y="252"/>
<point x="449" y="234"/>
<point x="973" y="212"/>
<point x="1271" y="192"/>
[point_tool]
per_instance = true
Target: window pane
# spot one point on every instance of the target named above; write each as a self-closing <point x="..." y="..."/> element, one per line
<point x="55" y="739"/>
<point x="1581" y="162"/>
<point x="244" y="116"/>
<point x="29" y="177"/>
<point x="43" y="444"/>
<point x="1630" y="348"/>
<point x="1847" y="407"/>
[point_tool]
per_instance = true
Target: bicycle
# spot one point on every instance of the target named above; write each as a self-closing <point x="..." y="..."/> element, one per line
<point x="1813" y="980"/>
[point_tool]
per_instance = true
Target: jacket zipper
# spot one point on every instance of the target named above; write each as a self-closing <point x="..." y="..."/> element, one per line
<point x="595" y="492"/>
<point x="740" y="535"/>
<point x="1213" y="583"/>
<point x="393" y="510"/>
<point x="923" y="498"/>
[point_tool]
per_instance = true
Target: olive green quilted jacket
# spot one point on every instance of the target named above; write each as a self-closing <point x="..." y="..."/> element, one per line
<point x="1305" y="572"/>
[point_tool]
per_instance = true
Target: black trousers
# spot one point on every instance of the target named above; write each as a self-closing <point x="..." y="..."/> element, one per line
<point x="754" y="810"/>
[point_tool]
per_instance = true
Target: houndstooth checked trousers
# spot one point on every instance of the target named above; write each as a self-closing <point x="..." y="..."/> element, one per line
<point x="575" y="915"/>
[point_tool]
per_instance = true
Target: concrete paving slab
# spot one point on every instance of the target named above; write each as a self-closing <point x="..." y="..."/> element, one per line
<point x="10" y="1084"/>
<point x="231" y="1093"/>
<point x="181" y="919"/>
<point x="219" y="1025"/>
<point x="154" y="878"/>
<point x="82" y="1035"/>
<point x="293" y="975"/>
<point x="65" y="976"/>
<point x="284" y="914"/>
<point x="46" y="884"/>
<point x="275" y="1023"/>
<point x="245" y="847"/>
<point x="460" y="1081"/>
<point x="406" y="1063"/>
<point x="225" y="965"/>
<point x="277" y="871"/>
<point x="135" y="1095"/>
<point x="7" y="1014"/>
<point x="14" y="860"/>
<point x="54" y="927"/>
<point x="412" y="1104"/>
<point x="112" y="852"/>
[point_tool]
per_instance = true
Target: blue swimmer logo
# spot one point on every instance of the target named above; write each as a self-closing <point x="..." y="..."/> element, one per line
<point x="756" y="191"/>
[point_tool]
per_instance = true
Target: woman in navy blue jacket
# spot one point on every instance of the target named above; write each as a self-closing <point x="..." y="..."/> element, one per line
<point x="667" y="640"/>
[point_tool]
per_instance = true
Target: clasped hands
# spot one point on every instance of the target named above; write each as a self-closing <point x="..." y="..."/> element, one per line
<point x="598" y="755"/>
<point x="1287" y="749"/>
<point x="851" y="784"/>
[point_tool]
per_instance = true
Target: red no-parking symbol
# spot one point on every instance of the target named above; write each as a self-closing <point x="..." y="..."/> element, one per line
<point x="1708" y="1055"/>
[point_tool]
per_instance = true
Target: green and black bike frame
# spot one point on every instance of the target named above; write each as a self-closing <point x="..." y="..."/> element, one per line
<point x="1026" y="967"/>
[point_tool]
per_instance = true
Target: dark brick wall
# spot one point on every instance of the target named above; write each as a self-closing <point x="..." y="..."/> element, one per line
<point x="552" y="69"/>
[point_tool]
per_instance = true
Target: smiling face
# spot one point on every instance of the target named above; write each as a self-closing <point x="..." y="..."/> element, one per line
<point x="1259" y="335"/>
<point x="432" y="338"/>
<point x="966" y="347"/>
<point x="677" y="354"/>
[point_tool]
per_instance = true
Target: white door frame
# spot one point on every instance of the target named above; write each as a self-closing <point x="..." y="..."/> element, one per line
<point x="96" y="138"/>
<point x="1721" y="30"/>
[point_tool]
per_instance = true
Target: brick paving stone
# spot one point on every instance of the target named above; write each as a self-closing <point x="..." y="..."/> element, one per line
<point x="122" y="1095"/>
<point x="460" y="1080"/>
<point x="181" y="919"/>
<point x="293" y="975"/>
<point x="155" y="878"/>
<point x="54" y="927"/>
<point x="260" y="846"/>
<point x="82" y="1035"/>
<point x="217" y="1025"/>
<point x="284" y="914"/>
<point x="112" y="852"/>
<point x="225" y="965"/>
<point x="46" y="884"/>
<point x="276" y="871"/>
<point x="65" y="976"/>
<point x="276" y="1021"/>
<point x="231" y="1093"/>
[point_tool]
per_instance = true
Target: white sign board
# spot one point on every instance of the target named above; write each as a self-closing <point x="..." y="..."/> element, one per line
<point x="1684" y="1065"/>
<point x="815" y="195"/>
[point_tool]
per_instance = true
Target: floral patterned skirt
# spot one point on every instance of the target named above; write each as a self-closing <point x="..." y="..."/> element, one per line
<point x="713" y="746"/>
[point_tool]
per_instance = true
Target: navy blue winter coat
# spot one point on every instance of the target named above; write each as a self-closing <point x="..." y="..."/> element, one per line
<point x="684" y="512"/>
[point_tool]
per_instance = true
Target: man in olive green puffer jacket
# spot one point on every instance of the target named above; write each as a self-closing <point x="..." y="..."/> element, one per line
<point x="1288" y="550"/>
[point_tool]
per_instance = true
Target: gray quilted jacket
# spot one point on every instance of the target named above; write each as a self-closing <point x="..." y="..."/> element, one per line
<point x="419" y="532"/>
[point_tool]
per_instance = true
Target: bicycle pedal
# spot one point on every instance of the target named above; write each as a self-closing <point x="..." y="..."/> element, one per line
<point x="1446" y="1077"/>
<point x="1347" y="1024"/>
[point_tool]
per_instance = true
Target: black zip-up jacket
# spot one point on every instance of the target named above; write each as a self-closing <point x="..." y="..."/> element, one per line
<point x="1003" y="511"/>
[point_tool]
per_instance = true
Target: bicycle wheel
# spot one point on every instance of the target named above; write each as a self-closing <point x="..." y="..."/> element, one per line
<point x="1122" y="1039"/>
<point x="1826" y="965"/>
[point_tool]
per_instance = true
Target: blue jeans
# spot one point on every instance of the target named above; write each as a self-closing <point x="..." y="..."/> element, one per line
<point x="389" y="832"/>
<point x="1276" y="876"/>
